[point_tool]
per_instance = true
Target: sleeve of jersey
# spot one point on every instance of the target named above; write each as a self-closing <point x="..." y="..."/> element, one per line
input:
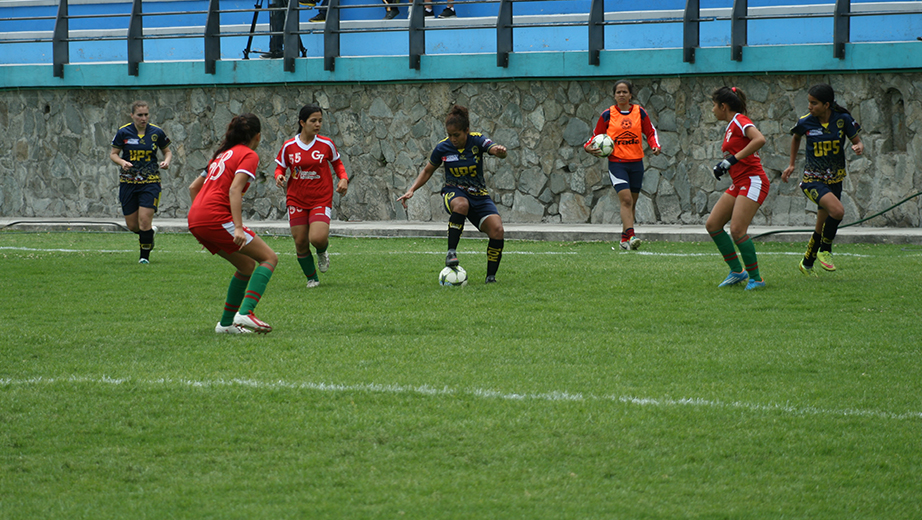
<point x="648" y="130"/>
<point x="248" y="165"/>
<point x="280" y="158"/>
<point x="116" y="142"/>
<point x="339" y="169"/>
<point x="798" y="128"/>
<point x="601" y="126"/>
<point x="435" y="158"/>
<point x="852" y="128"/>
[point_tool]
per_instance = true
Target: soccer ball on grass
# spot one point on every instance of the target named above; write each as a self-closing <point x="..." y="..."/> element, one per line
<point x="453" y="277"/>
<point x="604" y="143"/>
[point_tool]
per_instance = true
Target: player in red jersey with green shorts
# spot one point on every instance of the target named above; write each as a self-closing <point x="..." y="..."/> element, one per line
<point x="216" y="221"/>
<point x="738" y="205"/>
<point x="308" y="155"/>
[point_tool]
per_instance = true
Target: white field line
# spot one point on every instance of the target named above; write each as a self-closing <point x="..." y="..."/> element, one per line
<point x="333" y="253"/>
<point x="557" y="396"/>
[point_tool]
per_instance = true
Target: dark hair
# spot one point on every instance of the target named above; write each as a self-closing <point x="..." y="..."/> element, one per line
<point x="824" y="94"/>
<point x="241" y="129"/>
<point x="306" y="112"/>
<point x="626" y="82"/>
<point x="458" y="117"/>
<point x="733" y="97"/>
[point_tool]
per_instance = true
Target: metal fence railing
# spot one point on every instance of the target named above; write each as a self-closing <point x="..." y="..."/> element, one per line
<point x="504" y="24"/>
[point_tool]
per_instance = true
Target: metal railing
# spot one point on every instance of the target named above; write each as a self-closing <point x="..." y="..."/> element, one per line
<point x="504" y="25"/>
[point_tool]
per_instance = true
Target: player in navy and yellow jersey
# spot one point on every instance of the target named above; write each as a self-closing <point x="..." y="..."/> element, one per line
<point x="134" y="150"/>
<point x="738" y="205"/>
<point x="827" y="128"/>
<point x="624" y="122"/>
<point x="465" y="192"/>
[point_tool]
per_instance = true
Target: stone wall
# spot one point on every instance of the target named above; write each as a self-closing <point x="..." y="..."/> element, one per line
<point x="55" y="144"/>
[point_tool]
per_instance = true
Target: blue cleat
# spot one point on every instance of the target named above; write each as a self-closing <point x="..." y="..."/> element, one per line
<point x="734" y="278"/>
<point x="755" y="284"/>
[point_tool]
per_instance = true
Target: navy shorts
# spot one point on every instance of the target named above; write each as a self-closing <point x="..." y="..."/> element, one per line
<point x="481" y="206"/>
<point x="626" y="175"/>
<point x="134" y="196"/>
<point x="816" y="190"/>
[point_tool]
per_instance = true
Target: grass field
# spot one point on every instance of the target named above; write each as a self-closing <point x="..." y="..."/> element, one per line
<point x="586" y="384"/>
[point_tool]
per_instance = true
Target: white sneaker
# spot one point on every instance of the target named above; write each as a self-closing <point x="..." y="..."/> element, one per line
<point x="250" y="321"/>
<point x="323" y="261"/>
<point x="313" y="283"/>
<point x="626" y="245"/>
<point x="635" y="243"/>
<point x="233" y="328"/>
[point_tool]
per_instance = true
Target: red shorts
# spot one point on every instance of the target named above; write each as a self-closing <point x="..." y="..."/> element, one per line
<point x="753" y="187"/>
<point x="303" y="217"/>
<point x="220" y="237"/>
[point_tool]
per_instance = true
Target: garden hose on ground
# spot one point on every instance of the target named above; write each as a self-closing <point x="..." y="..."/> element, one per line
<point x="767" y="233"/>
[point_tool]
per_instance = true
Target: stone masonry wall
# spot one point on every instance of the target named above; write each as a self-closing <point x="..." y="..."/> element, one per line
<point x="55" y="143"/>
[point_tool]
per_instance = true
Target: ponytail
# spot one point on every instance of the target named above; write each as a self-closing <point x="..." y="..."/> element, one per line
<point x="458" y="117"/>
<point x="733" y="97"/>
<point x="242" y="129"/>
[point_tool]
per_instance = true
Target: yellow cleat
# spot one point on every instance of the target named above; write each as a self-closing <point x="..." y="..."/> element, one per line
<point x="825" y="260"/>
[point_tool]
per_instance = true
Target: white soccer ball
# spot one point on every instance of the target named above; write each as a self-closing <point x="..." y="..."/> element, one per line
<point x="453" y="277"/>
<point x="604" y="143"/>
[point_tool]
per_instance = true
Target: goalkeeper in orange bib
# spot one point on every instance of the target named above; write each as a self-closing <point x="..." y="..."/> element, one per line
<point x="624" y="122"/>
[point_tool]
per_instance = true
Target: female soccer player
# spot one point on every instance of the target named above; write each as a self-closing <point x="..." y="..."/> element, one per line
<point x="215" y="220"/>
<point x="741" y="142"/>
<point x="826" y="127"/>
<point x="134" y="150"/>
<point x="310" y="189"/>
<point x="465" y="191"/>
<point x="624" y="122"/>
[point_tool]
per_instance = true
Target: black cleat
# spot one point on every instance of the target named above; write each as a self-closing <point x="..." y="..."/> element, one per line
<point x="451" y="260"/>
<point x="491" y="278"/>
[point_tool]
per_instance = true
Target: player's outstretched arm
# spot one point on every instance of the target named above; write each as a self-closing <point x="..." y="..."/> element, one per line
<point x="420" y="181"/>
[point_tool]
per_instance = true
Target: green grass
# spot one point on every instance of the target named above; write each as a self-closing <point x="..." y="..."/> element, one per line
<point x="587" y="383"/>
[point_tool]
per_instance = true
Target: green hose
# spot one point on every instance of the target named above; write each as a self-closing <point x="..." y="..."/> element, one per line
<point x="841" y="226"/>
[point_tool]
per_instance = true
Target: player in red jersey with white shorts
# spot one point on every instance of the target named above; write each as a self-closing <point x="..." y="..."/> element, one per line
<point x="216" y="221"/>
<point x="308" y="156"/>
<point x="738" y="205"/>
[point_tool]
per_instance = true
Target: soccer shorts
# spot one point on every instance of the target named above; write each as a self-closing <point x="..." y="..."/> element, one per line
<point x="220" y="237"/>
<point x="753" y="187"/>
<point x="302" y="217"/>
<point x="817" y="190"/>
<point x="134" y="196"/>
<point x="626" y="175"/>
<point x="480" y="206"/>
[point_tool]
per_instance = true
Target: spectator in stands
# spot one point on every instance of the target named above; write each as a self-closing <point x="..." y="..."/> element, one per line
<point x="276" y="24"/>
<point x="448" y="12"/>
<point x="322" y="12"/>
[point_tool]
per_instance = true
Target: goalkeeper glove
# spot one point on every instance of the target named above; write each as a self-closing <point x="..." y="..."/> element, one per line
<point x="724" y="166"/>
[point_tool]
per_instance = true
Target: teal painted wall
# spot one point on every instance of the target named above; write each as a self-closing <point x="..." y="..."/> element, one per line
<point x="863" y="57"/>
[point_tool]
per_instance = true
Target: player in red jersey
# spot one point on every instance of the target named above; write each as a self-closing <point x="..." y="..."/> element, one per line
<point x="216" y="220"/>
<point x="624" y="122"/>
<point x="741" y="143"/>
<point x="308" y="155"/>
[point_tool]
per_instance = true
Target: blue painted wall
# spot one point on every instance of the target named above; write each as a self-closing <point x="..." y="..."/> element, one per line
<point x="776" y="46"/>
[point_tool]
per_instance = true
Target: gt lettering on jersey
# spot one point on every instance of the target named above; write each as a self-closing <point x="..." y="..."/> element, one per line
<point x="310" y="183"/>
